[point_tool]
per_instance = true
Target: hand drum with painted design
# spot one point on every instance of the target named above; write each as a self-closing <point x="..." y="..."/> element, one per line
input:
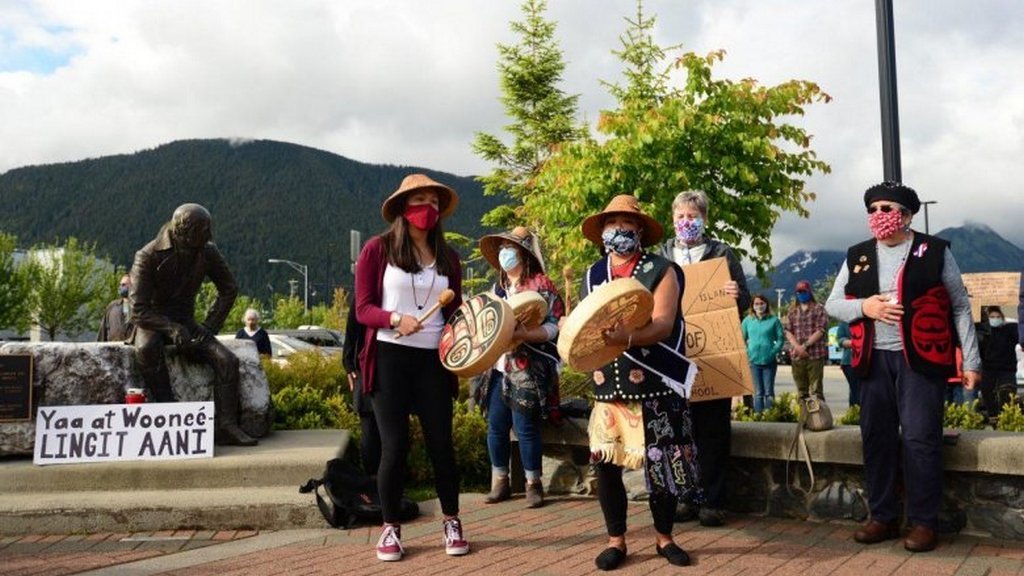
<point x="581" y="339"/>
<point x="475" y="336"/>
<point x="529" y="308"/>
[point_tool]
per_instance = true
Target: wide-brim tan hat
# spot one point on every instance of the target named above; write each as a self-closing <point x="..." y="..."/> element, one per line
<point x="626" y="204"/>
<point x="447" y="198"/>
<point x="521" y="236"/>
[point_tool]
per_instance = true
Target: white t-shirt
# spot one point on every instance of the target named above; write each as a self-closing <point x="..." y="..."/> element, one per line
<point x="413" y="294"/>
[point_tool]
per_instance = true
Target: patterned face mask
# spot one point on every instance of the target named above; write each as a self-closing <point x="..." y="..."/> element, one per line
<point x="884" y="224"/>
<point x="689" y="231"/>
<point x="620" y="240"/>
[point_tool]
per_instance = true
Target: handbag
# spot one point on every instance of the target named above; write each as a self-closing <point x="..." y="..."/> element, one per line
<point x="815" y="414"/>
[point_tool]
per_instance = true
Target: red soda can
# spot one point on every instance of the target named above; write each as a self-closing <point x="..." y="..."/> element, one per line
<point x="134" y="396"/>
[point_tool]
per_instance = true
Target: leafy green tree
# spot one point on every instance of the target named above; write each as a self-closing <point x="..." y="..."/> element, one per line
<point x="289" y="313"/>
<point x="731" y="139"/>
<point x="14" y="288"/>
<point x="542" y="115"/>
<point x="236" y="317"/>
<point x="205" y="298"/>
<point x="69" y="287"/>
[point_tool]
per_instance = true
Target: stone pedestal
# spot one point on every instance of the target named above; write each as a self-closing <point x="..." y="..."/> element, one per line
<point x="76" y="373"/>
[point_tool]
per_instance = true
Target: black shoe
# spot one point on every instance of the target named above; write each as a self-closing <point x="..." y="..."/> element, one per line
<point x="610" y="558"/>
<point x="674" y="554"/>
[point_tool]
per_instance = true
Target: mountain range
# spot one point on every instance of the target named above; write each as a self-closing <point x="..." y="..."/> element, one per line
<point x="285" y="201"/>
<point x="976" y="248"/>
<point x="268" y="200"/>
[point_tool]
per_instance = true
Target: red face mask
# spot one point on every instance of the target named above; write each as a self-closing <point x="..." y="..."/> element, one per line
<point x="422" y="216"/>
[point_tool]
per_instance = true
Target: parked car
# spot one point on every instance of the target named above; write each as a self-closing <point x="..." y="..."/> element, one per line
<point x="282" y="346"/>
<point x="315" y="335"/>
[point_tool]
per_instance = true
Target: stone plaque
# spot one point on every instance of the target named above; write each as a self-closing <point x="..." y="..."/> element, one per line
<point x="15" y="388"/>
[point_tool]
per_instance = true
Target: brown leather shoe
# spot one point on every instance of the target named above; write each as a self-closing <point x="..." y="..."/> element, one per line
<point x="500" y="490"/>
<point x="534" y="494"/>
<point x="920" y="539"/>
<point x="874" y="532"/>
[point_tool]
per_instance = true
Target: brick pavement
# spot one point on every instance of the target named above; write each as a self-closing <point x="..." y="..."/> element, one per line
<point x="560" y="539"/>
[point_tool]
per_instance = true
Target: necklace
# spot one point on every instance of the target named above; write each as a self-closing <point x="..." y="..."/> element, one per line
<point x="412" y="280"/>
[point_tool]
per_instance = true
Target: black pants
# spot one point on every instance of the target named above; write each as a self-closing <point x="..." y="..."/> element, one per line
<point x="611" y="493"/>
<point x="412" y="381"/>
<point x="369" y="440"/>
<point x="712" y="432"/>
<point x="996" y="388"/>
<point x="149" y="356"/>
<point x="901" y="427"/>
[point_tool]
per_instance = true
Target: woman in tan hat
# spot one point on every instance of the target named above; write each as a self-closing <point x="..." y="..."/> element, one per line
<point x="399" y="275"/>
<point x="645" y="389"/>
<point x="518" y="390"/>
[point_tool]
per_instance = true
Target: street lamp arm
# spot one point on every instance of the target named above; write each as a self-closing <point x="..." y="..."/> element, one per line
<point x="302" y="269"/>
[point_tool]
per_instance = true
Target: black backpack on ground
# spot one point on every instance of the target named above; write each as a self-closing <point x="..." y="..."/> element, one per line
<point x="351" y="497"/>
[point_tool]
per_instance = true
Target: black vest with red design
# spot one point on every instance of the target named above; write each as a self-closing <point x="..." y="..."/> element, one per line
<point x="927" y="325"/>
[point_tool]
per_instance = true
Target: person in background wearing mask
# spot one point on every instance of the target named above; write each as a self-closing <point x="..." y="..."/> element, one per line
<point x="998" y="345"/>
<point x="846" y="344"/>
<point x="903" y="296"/>
<point x="765" y="336"/>
<point x="116" y="319"/>
<point x="712" y="419"/>
<point x="399" y="274"/>
<point x="524" y="380"/>
<point x="807" y="327"/>
<point x="641" y="416"/>
<point x="252" y="331"/>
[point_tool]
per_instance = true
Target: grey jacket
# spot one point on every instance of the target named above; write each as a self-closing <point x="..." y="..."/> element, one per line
<point x="716" y="249"/>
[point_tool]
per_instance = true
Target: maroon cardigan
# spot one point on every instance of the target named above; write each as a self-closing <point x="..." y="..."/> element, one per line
<point x="369" y="295"/>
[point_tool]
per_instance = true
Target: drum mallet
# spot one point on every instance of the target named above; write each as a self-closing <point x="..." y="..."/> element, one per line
<point x="567" y="274"/>
<point x="443" y="299"/>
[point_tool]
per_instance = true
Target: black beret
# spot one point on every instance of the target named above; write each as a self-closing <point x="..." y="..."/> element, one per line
<point x="893" y="192"/>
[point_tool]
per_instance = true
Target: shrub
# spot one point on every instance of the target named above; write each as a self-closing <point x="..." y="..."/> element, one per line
<point x="784" y="409"/>
<point x="852" y="416"/>
<point x="305" y="408"/>
<point x="575" y="384"/>
<point x="1011" y="419"/>
<point x="963" y="416"/>
<point x="324" y="374"/>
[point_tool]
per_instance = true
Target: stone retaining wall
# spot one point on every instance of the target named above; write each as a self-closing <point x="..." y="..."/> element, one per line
<point x="80" y="373"/>
<point x="984" y="479"/>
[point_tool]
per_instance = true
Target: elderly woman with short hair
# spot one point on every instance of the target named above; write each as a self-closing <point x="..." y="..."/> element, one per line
<point x="712" y="419"/>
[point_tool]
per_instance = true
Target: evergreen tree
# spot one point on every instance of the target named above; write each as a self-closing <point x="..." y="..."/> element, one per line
<point x="542" y="115"/>
<point x="13" y="287"/>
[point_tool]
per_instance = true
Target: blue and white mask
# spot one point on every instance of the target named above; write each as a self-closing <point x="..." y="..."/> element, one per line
<point x="620" y="240"/>
<point x="508" y="258"/>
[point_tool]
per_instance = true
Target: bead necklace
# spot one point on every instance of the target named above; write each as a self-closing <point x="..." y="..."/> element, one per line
<point x="412" y="280"/>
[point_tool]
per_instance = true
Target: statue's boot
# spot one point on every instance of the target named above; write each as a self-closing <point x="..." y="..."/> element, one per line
<point x="228" y="432"/>
<point x="159" y="383"/>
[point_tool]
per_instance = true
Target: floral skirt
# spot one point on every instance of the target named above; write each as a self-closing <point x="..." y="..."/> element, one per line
<point x="655" y="435"/>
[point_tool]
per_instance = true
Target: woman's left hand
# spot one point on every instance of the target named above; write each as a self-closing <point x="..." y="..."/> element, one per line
<point x="732" y="288"/>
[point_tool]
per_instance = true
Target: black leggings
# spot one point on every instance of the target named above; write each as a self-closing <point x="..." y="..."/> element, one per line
<point x="412" y="381"/>
<point x="611" y="493"/>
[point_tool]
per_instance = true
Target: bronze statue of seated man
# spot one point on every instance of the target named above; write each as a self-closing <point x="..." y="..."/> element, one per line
<point x="165" y="278"/>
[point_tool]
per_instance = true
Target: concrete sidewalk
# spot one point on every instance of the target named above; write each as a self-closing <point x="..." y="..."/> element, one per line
<point x="560" y="539"/>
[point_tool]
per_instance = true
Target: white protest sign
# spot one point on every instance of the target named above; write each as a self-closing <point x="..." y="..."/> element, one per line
<point x="117" y="432"/>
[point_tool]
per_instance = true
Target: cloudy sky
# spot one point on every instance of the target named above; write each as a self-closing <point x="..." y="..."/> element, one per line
<point x="411" y="81"/>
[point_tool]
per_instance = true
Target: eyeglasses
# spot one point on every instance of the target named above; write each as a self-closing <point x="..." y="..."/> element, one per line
<point x="885" y="208"/>
<point x="803" y="291"/>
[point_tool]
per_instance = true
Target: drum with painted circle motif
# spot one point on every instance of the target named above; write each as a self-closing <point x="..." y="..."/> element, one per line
<point x="581" y="339"/>
<point x="475" y="335"/>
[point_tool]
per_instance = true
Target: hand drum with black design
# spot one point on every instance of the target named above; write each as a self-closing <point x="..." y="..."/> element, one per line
<point x="581" y="339"/>
<point x="476" y="335"/>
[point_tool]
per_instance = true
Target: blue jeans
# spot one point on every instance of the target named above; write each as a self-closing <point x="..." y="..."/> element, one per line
<point x="764" y="385"/>
<point x="500" y="420"/>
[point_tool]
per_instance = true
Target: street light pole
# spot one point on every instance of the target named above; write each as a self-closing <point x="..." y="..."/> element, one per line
<point x="305" y="278"/>
<point x="925" y="204"/>
<point x="778" y="301"/>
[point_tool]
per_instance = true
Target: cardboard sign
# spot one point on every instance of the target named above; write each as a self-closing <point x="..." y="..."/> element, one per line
<point x="993" y="289"/>
<point x="713" y="336"/>
<point x="117" y="432"/>
<point x="15" y="388"/>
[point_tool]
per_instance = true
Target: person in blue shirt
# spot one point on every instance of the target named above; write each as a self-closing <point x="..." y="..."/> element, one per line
<point x="764" y="336"/>
<point x="845" y="342"/>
